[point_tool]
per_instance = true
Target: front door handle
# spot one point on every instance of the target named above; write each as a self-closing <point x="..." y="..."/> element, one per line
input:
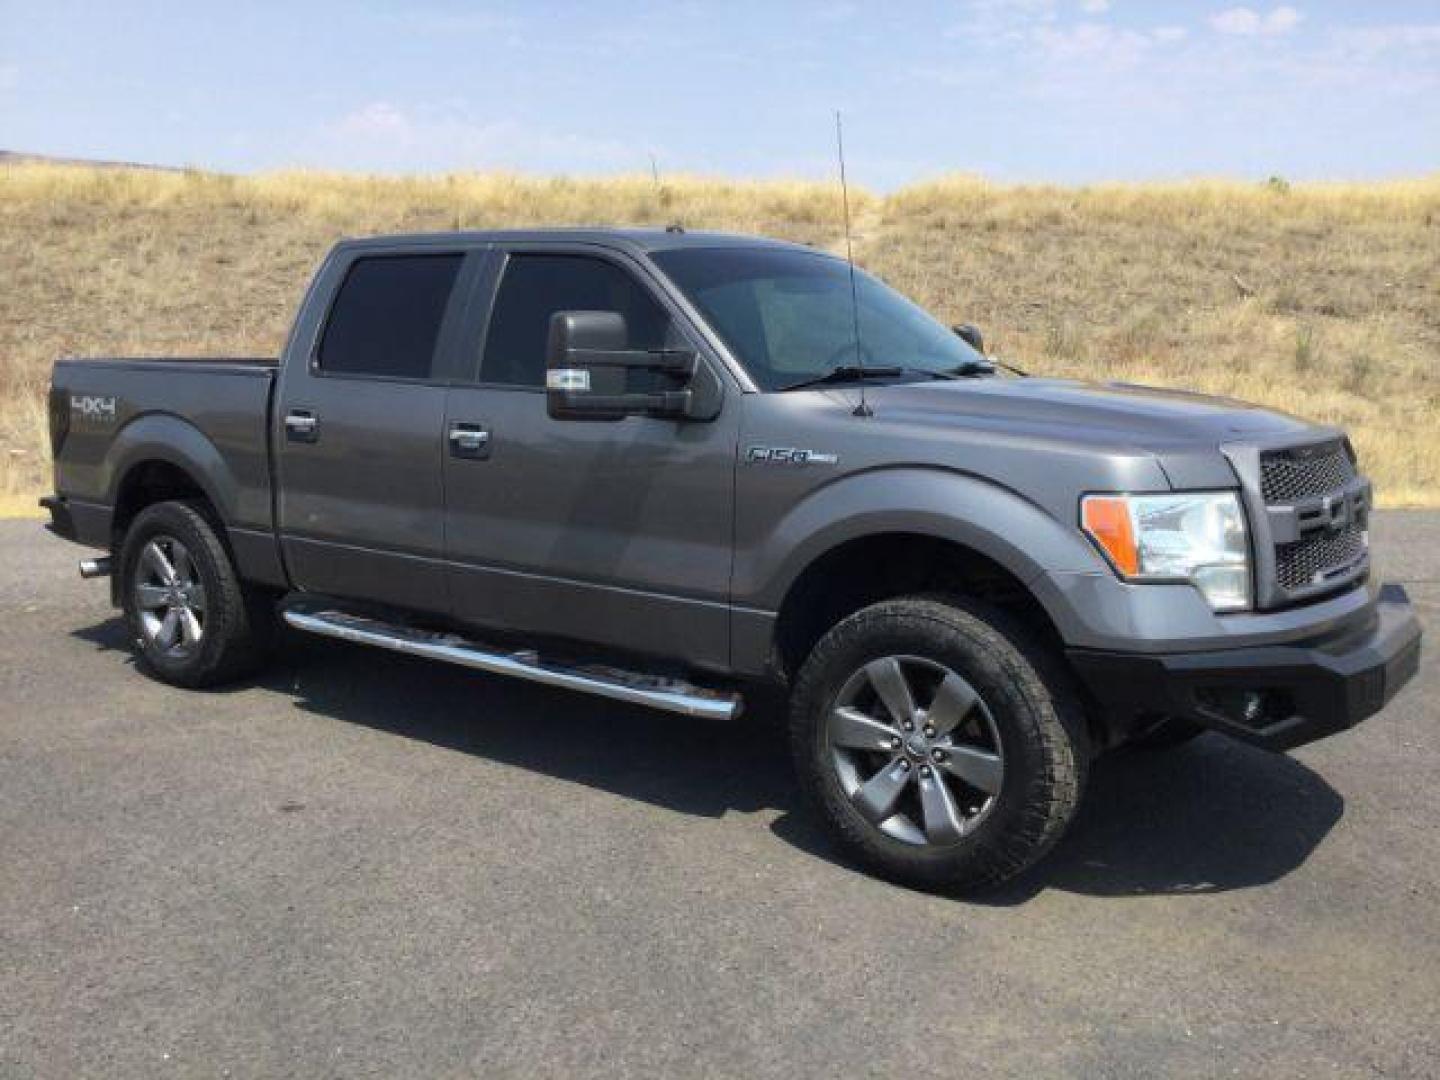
<point x="301" y="425"/>
<point x="469" y="440"/>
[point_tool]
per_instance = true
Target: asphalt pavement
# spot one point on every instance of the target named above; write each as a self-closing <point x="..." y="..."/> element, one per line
<point x="361" y="864"/>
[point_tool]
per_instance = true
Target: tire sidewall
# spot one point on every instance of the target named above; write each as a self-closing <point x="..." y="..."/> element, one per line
<point x="184" y="524"/>
<point x="1007" y="681"/>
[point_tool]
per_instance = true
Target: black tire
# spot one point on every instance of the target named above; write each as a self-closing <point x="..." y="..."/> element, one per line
<point x="1031" y="706"/>
<point x="237" y="623"/>
<point x="1164" y="734"/>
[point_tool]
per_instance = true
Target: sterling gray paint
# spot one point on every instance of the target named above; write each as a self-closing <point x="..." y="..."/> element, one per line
<point x="663" y="537"/>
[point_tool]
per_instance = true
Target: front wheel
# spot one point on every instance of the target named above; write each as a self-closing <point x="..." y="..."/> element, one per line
<point x="941" y="744"/>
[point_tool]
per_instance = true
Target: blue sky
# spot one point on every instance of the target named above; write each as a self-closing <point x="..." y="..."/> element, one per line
<point x="1062" y="90"/>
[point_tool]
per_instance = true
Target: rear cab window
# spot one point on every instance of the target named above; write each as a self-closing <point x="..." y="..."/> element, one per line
<point x="386" y="318"/>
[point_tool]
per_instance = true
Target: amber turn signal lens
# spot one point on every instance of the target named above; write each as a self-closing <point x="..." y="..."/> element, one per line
<point x="1107" y="519"/>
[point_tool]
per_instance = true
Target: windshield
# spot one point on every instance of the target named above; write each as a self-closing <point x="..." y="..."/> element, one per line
<point x="786" y="315"/>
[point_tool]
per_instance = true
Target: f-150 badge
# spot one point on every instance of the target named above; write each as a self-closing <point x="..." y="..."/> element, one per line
<point x="788" y="455"/>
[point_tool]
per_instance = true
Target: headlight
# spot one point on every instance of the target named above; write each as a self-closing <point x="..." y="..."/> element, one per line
<point x="1195" y="536"/>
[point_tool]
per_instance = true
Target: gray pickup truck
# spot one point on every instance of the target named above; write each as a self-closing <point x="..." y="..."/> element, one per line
<point x="682" y="469"/>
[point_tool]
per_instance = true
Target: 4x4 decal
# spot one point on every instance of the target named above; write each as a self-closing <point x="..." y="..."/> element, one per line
<point x="96" y="408"/>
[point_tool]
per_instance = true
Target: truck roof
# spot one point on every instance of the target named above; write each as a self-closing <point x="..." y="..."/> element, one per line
<point x="637" y="240"/>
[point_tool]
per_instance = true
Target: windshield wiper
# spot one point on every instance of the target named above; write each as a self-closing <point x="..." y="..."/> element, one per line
<point x="854" y="372"/>
<point x="971" y="367"/>
<point x="848" y="373"/>
<point x="986" y="367"/>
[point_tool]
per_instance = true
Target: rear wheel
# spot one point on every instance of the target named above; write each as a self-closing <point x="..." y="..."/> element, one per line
<point x="193" y="621"/>
<point x="940" y="744"/>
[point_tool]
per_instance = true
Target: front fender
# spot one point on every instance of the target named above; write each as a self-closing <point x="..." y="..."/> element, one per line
<point x="930" y="501"/>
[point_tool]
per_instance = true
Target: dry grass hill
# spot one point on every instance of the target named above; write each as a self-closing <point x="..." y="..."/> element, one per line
<point x="1322" y="300"/>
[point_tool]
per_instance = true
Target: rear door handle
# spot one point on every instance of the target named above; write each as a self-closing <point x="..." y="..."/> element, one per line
<point x="301" y="425"/>
<point x="469" y="440"/>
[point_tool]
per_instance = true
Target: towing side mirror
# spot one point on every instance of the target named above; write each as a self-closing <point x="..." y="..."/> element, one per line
<point x="588" y="360"/>
<point x="970" y="334"/>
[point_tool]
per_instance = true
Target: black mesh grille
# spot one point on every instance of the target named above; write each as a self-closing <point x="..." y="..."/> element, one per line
<point x="1287" y="477"/>
<point x="1321" y="551"/>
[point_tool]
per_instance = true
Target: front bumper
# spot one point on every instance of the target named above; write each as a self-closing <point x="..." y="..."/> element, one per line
<point x="1275" y="696"/>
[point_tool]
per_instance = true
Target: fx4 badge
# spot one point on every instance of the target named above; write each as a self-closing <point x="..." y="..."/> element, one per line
<point x="788" y="455"/>
<point x="93" y="407"/>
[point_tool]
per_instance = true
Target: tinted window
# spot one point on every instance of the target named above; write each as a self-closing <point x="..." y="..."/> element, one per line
<point x="791" y="315"/>
<point x="537" y="286"/>
<point x="386" y="318"/>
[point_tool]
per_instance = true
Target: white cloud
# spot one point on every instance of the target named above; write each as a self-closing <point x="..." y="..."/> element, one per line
<point x="1371" y="40"/>
<point x="387" y="137"/>
<point x="1102" y="43"/>
<point x="450" y="22"/>
<point x="840" y="11"/>
<point x="992" y="21"/>
<point x="1246" y="22"/>
<point x="1397" y="60"/>
<point x="1180" y="74"/>
<point x="1036" y="27"/>
<point x="378" y="119"/>
<point x="1092" y="40"/>
<point x="1236" y="21"/>
<point x="1282" y="20"/>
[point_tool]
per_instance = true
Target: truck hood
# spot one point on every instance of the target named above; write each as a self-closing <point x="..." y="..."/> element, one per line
<point x="1117" y="414"/>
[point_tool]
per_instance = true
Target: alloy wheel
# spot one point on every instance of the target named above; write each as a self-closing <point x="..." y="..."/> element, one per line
<point x="169" y="598"/>
<point x="915" y="749"/>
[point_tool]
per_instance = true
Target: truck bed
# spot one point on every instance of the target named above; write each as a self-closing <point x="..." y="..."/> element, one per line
<point x="108" y="415"/>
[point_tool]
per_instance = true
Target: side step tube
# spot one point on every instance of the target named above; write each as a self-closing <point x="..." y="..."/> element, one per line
<point x="671" y="695"/>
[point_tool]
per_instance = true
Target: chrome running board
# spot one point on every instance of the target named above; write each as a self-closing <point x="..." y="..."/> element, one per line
<point x="671" y="695"/>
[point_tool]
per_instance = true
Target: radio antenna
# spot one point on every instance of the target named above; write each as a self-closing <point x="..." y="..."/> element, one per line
<point x="660" y="197"/>
<point x="862" y="409"/>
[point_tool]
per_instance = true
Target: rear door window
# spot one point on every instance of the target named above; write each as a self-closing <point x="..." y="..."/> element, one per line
<point x="386" y="318"/>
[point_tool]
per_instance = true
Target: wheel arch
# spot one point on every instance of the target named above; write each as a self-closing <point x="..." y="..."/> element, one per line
<point x="900" y="532"/>
<point x="157" y="457"/>
<point x="972" y="528"/>
<point x="867" y="569"/>
<point x="971" y="512"/>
